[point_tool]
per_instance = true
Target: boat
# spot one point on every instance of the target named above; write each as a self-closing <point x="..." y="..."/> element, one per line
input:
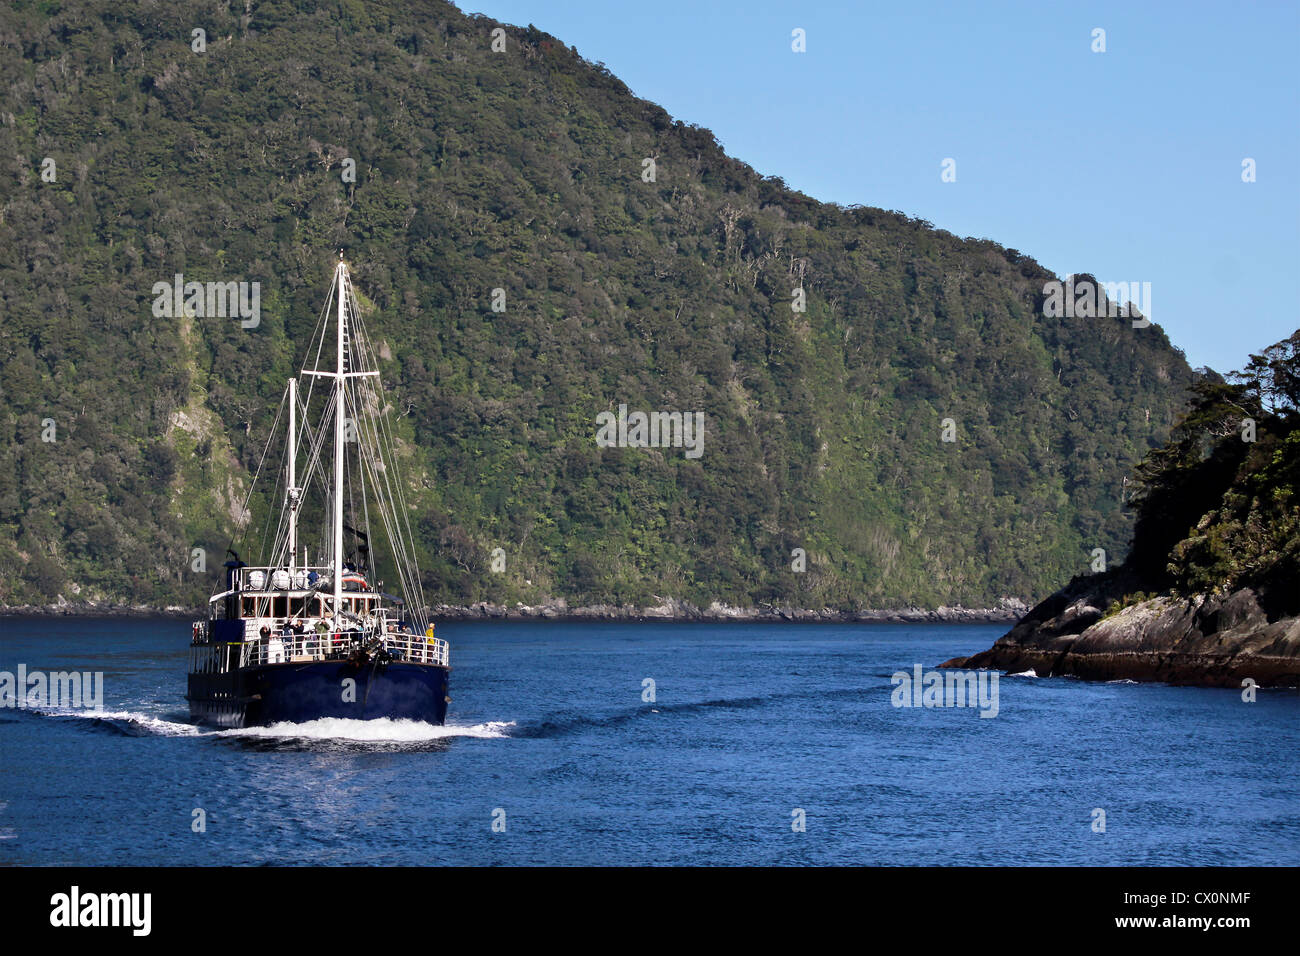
<point x="309" y="630"/>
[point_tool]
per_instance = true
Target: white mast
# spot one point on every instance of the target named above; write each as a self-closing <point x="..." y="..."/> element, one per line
<point x="293" y="473"/>
<point x="339" y="409"/>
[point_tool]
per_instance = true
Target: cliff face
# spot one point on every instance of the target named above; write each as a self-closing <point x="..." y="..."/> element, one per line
<point x="1213" y="641"/>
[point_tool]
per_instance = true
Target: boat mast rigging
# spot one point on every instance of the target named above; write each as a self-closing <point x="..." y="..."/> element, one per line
<point x="333" y="494"/>
<point x="341" y="272"/>
<point x="292" y="493"/>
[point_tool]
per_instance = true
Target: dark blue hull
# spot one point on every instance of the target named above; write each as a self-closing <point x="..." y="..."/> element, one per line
<point x="299" y="692"/>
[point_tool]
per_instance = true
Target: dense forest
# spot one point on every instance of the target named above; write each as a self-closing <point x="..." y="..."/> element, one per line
<point x="1218" y="506"/>
<point x="1207" y="594"/>
<point x="636" y="264"/>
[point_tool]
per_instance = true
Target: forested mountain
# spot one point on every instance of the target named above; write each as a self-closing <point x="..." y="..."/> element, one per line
<point x="128" y="440"/>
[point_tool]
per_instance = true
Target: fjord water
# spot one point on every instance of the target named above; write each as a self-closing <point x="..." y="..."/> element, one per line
<point x="548" y="732"/>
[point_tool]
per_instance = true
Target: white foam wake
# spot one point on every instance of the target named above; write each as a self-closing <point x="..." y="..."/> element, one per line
<point x="144" y="723"/>
<point x="379" y="729"/>
<point x="1029" y="673"/>
<point x="327" y="728"/>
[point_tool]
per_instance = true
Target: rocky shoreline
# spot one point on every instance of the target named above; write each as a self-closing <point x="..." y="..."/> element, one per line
<point x="1204" y="641"/>
<point x="670" y="610"/>
<point x="1208" y="641"/>
<point x="674" y="610"/>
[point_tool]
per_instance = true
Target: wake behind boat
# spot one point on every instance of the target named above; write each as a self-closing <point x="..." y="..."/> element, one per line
<point x="293" y="640"/>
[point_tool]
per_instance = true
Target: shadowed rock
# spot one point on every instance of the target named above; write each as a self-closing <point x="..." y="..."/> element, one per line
<point x="1212" y="641"/>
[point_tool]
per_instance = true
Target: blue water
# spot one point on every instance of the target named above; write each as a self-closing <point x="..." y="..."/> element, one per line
<point x="548" y="732"/>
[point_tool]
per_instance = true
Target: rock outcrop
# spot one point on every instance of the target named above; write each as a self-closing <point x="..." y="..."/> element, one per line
<point x="1213" y="641"/>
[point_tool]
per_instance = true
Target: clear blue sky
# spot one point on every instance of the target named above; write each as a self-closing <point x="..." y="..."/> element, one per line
<point x="1125" y="164"/>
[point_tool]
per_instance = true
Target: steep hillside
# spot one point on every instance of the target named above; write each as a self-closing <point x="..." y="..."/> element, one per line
<point x="1208" y="593"/>
<point x="523" y="171"/>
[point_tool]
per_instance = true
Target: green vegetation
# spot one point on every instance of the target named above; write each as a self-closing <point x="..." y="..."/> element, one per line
<point x="522" y="171"/>
<point x="1218" y="508"/>
<point x="1129" y="600"/>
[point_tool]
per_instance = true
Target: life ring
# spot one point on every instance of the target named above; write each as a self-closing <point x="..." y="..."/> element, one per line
<point x="357" y="579"/>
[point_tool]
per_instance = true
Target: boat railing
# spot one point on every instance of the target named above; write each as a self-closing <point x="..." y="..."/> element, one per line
<point x="281" y="648"/>
<point x="418" y="648"/>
